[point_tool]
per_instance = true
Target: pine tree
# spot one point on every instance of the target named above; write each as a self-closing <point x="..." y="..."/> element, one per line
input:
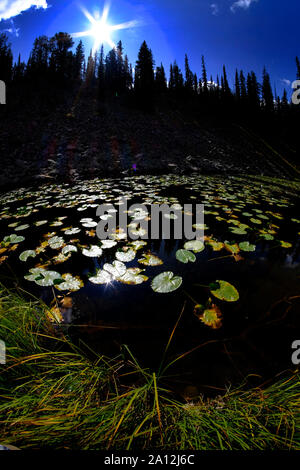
<point x="90" y="69"/>
<point x="144" y="76"/>
<point x="267" y="94"/>
<point x="237" y="86"/>
<point x="171" y="79"/>
<point x="78" y="61"/>
<point x="160" y="80"/>
<point x="253" y="92"/>
<point x="189" y="78"/>
<point x="243" y="88"/>
<point x="128" y="74"/>
<point x="298" y="68"/>
<point x="6" y="59"/>
<point x="195" y="86"/>
<point x="225" y="88"/>
<point x="101" y="75"/>
<point x="38" y="63"/>
<point x="121" y="81"/>
<point x="204" y="76"/>
<point x="62" y="59"/>
<point x="18" y="70"/>
<point x="178" y="80"/>
<point x="111" y="72"/>
<point x="284" y="101"/>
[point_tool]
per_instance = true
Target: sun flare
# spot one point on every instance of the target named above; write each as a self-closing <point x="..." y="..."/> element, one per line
<point x="101" y="30"/>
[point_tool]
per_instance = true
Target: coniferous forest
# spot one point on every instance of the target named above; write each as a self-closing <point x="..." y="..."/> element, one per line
<point x="58" y="74"/>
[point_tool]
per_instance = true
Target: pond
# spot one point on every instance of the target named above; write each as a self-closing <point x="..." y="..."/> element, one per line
<point x="235" y="295"/>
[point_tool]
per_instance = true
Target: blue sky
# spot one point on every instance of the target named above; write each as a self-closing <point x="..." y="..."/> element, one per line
<point x="247" y="34"/>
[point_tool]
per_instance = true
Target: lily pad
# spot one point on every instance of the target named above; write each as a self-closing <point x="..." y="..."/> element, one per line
<point x="224" y="291"/>
<point x="22" y="227"/>
<point x="185" y="256"/>
<point x="211" y="317"/>
<point x="106" y="244"/>
<point x="13" y="239"/>
<point x="246" y="246"/>
<point x="27" y="254"/>
<point x="47" y="278"/>
<point x="93" y="252"/>
<point x="126" y="256"/>
<point x="56" y="242"/>
<point x="116" y="269"/>
<point x="285" y="244"/>
<point x="194" y="245"/>
<point x="71" y="283"/>
<point x="102" y="277"/>
<point x="166" y="282"/>
<point x="72" y="231"/>
<point x="69" y="249"/>
<point x="150" y="260"/>
<point x="133" y="276"/>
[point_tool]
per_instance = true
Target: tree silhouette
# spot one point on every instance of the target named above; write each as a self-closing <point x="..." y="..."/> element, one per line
<point x="144" y="76"/>
<point x="6" y="59"/>
<point x="204" y="77"/>
<point x="189" y="77"/>
<point x="267" y="94"/>
<point x="79" y="61"/>
<point x="61" y="59"/>
<point x="298" y="68"/>
<point x="160" y="80"/>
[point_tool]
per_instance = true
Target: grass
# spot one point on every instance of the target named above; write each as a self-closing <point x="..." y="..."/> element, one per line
<point x="55" y="395"/>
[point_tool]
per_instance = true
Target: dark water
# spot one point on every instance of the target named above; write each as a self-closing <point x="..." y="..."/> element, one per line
<point x="257" y="331"/>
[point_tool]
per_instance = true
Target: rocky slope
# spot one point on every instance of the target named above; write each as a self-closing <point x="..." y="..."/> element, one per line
<point x="79" y="140"/>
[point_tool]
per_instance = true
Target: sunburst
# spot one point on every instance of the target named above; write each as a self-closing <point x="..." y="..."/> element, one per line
<point x="101" y="30"/>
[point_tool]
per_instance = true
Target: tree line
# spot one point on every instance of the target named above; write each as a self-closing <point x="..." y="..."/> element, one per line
<point x="53" y="64"/>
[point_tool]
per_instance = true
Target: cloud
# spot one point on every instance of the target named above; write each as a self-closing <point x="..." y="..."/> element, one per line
<point x="214" y="8"/>
<point x="12" y="8"/>
<point x="245" y="4"/>
<point x="12" y="29"/>
<point x="286" y="81"/>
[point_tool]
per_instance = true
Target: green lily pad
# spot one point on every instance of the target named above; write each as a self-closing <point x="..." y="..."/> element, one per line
<point x="71" y="283"/>
<point x="69" y="249"/>
<point x="132" y="277"/>
<point x="72" y="231"/>
<point x="194" y="245"/>
<point x="267" y="236"/>
<point x="102" y="277"/>
<point x="166" y="282"/>
<point x="256" y="221"/>
<point x="106" y="244"/>
<point x="48" y="278"/>
<point x="185" y="256"/>
<point x="26" y="254"/>
<point x="56" y="242"/>
<point x="13" y="239"/>
<point x="246" y="246"/>
<point x="150" y="260"/>
<point x="93" y="252"/>
<point x="34" y="274"/>
<point x="22" y="227"/>
<point x="224" y="291"/>
<point x="238" y="230"/>
<point x="126" y="256"/>
<point x="116" y="269"/>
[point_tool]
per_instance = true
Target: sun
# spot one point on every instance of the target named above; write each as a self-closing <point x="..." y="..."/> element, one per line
<point x="102" y="33"/>
<point x="101" y="30"/>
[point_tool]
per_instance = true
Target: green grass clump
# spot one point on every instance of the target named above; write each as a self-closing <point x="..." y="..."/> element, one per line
<point x="55" y="395"/>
